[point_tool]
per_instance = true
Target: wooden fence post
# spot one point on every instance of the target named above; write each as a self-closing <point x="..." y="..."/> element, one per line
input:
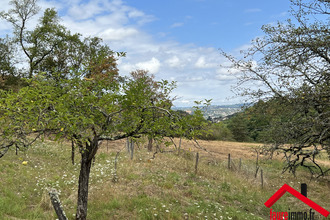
<point x="303" y="189"/>
<point x="240" y="164"/>
<point x="115" y="177"/>
<point x="132" y="148"/>
<point x="179" y="145"/>
<point x="150" y="144"/>
<point x="229" y="166"/>
<point x="257" y="162"/>
<point x="127" y="145"/>
<point x="257" y="165"/>
<point x="255" y="176"/>
<point x="262" y="178"/>
<point x="196" y="165"/>
<point x="57" y="204"/>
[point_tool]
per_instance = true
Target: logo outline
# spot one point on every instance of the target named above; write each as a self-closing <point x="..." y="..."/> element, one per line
<point x="286" y="188"/>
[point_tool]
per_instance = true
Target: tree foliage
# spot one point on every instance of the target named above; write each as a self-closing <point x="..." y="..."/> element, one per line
<point x="51" y="48"/>
<point x="75" y="93"/>
<point x="84" y="111"/>
<point x="291" y="63"/>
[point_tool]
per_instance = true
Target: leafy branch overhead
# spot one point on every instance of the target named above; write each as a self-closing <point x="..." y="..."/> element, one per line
<point x="291" y="65"/>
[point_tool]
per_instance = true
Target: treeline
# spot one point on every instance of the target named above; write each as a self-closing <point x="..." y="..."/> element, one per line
<point x="255" y="123"/>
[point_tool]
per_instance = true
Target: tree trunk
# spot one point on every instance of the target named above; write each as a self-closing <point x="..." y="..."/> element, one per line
<point x="179" y="145"/>
<point x="85" y="168"/>
<point x="87" y="156"/>
<point x="150" y="144"/>
<point x="72" y="152"/>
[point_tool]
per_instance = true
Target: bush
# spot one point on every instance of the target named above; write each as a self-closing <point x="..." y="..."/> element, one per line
<point x="218" y="131"/>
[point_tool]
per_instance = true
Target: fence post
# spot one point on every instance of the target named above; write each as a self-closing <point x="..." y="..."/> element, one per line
<point x="196" y="165"/>
<point x="115" y="177"/>
<point x="240" y="164"/>
<point x="257" y="161"/>
<point x="229" y="166"/>
<point x="262" y="178"/>
<point x="179" y="145"/>
<point x="127" y="145"/>
<point x="257" y="165"/>
<point x="57" y="204"/>
<point x="303" y="189"/>
<point x="255" y="176"/>
<point x="132" y="149"/>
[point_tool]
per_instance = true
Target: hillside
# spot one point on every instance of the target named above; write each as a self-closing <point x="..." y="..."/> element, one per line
<point x="165" y="187"/>
<point x="215" y="111"/>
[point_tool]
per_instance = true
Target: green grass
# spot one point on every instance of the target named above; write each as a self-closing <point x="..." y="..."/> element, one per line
<point x="164" y="188"/>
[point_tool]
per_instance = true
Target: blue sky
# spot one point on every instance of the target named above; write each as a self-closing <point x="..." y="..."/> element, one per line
<point x="211" y="23"/>
<point x="173" y="39"/>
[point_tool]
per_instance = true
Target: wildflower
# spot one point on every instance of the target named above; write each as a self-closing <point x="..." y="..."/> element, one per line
<point x="25" y="162"/>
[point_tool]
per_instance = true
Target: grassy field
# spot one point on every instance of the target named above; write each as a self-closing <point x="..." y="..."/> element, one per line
<point x="165" y="187"/>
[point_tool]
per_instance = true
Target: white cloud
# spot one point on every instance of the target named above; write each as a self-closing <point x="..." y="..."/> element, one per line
<point x="85" y="11"/>
<point x="152" y="65"/>
<point x="224" y="77"/>
<point x="196" y="69"/>
<point x="118" y="34"/>
<point x="252" y="10"/>
<point x="202" y="63"/>
<point x="248" y="23"/>
<point x="196" y="78"/>
<point x="174" y="62"/>
<point x="283" y="14"/>
<point x="177" y="24"/>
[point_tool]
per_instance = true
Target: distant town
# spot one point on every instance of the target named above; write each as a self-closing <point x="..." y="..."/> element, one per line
<point x="215" y="113"/>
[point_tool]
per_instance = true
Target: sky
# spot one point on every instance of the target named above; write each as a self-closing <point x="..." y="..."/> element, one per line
<point x="175" y="40"/>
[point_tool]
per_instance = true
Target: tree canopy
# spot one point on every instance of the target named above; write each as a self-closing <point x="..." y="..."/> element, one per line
<point x="291" y="63"/>
<point x="73" y="91"/>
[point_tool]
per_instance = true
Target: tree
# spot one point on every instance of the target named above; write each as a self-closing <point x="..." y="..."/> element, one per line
<point x="151" y="93"/>
<point x="6" y="58"/>
<point x="85" y="111"/>
<point x="238" y="125"/>
<point x="75" y="92"/>
<point x="218" y="131"/>
<point x="8" y="72"/>
<point x="291" y="63"/>
<point x="51" y="48"/>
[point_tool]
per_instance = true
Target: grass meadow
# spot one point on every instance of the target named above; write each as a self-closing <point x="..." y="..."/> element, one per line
<point x="160" y="186"/>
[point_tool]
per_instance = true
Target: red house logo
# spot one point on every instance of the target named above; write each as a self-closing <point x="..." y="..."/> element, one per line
<point x="286" y="188"/>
